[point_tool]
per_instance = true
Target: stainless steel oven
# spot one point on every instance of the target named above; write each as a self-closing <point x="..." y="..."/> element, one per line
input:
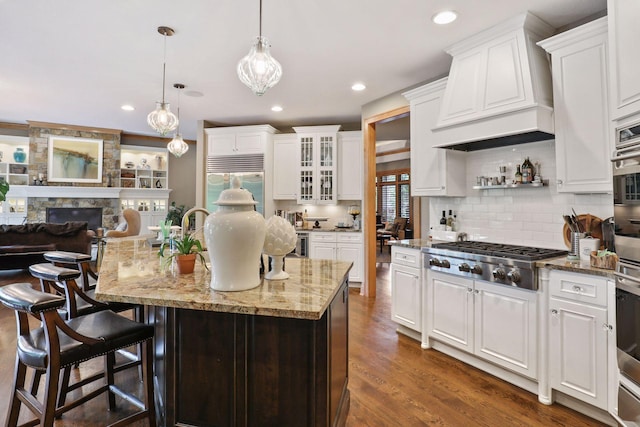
<point x="628" y="341"/>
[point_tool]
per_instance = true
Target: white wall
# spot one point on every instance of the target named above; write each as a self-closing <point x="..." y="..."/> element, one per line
<point x="522" y="216"/>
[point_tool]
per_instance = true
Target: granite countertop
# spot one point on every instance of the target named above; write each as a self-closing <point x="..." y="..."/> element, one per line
<point x="574" y="266"/>
<point x="340" y="230"/>
<point x="411" y="243"/>
<point x="131" y="272"/>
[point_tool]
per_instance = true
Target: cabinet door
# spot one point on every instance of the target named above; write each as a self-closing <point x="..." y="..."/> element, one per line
<point x="249" y="143"/>
<point x="506" y="327"/>
<point x="451" y="310"/>
<point x="578" y="351"/>
<point x="339" y="350"/>
<point x="624" y="34"/>
<point x="406" y="296"/>
<point x="325" y="190"/>
<point x="322" y="251"/>
<point x="350" y="159"/>
<point x="351" y="252"/>
<point x="582" y="116"/>
<point x="284" y="171"/>
<point x="221" y="144"/>
<point x="434" y="171"/>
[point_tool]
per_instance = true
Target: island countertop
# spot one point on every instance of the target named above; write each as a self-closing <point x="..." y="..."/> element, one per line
<point x="132" y="272"/>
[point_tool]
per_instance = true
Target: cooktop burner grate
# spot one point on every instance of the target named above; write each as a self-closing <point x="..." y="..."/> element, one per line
<point x="524" y="253"/>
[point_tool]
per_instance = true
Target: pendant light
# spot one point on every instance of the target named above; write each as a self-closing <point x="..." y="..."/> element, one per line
<point x="259" y="70"/>
<point x="162" y="120"/>
<point x="177" y="146"/>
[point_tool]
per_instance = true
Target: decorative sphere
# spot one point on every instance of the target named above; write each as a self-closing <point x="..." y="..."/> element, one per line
<point x="281" y="236"/>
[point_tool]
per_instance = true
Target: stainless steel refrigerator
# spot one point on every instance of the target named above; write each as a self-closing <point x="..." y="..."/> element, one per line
<point x="251" y="181"/>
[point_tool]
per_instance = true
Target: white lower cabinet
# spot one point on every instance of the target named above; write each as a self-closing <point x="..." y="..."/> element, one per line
<point x="494" y="322"/>
<point x="406" y="287"/>
<point x="579" y="336"/>
<point x="339" y="246"/>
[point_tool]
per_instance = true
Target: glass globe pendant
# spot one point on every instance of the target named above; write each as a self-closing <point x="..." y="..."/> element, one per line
<point x="177" y="146"/>
<point x="162" y="120"/>
<point x="259" y="70"/>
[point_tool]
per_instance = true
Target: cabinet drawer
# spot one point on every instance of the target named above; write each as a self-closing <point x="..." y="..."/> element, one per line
<point x="406" y="256"/>
<point x="349" y="237"/>
<point x="578" y="287"/>
<point x="322" y="237"/>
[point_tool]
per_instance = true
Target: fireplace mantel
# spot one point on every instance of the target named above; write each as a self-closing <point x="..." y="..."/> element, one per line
<point x="48" y="191"/>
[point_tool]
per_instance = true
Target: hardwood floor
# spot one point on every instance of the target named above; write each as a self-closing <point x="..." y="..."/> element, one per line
<point x="393" y="382"/>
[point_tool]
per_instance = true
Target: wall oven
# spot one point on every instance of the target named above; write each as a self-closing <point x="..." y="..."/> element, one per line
<point x="626" y="212"/>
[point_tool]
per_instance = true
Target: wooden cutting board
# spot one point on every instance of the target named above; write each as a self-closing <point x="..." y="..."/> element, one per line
<point x="588" y="223"/>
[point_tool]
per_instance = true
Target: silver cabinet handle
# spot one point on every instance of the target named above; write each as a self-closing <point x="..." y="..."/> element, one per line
<point x="469" y="290"/>
<point x="577" y="288"/>
<point x="554" y="312"/>
<point x="607" y="327"/>
<point x="559" y="182"/>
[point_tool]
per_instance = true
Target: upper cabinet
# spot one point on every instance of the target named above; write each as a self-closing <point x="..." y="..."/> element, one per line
<point x="317" y="164"/>
<point x="143" y="167"/>
<point x="237" y="140"/>
<point x="285" y="174"/>
<point x="624" y="34"/>
<point x="350" y="159"/>
<point x="434" y="171"/>
<point x="581" y="102"/>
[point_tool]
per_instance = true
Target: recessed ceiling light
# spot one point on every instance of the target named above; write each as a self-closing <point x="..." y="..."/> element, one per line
<point x="276" y="108"/>
<point x="358" y="87"/>
<point x="128" y="107"/>
<point x="444" y="17"/>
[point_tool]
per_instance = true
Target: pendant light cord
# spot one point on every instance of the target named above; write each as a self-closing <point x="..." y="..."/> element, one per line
<point x="260" y="27"/>
<point x="164" y="65"/>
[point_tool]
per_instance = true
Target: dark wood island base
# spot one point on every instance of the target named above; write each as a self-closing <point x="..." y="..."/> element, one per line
<point x="226" y="369"/>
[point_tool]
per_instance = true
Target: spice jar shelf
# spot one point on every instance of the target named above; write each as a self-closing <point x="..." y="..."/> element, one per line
<point x="544" y="183"/>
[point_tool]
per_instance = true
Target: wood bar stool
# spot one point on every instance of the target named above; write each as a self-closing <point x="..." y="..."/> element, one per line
<point x="82" y="263"/>
<point x="55" y="344"/>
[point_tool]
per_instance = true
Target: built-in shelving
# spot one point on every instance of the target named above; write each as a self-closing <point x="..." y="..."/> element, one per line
<point x="143" y="167"/>
<point x="544" y="183"/>
<point x="11" y="170"/>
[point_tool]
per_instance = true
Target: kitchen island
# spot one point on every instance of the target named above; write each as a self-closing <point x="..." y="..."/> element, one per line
<point x="273" y="355"/>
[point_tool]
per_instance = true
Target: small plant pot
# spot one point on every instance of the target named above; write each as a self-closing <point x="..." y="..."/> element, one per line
<point x="186" y="263"/>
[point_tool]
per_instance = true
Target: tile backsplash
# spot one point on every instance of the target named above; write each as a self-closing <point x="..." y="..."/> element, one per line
<point x="522" y="216"/>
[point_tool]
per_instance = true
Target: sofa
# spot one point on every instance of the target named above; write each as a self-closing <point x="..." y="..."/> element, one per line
<point x="24" y="245"/>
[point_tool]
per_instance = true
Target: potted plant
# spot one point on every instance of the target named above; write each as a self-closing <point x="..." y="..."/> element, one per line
<point x="4" y="188"/>
<point x="185" y="251"/>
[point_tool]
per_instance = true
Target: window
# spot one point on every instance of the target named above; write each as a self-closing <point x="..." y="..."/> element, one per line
<point x="393" y="195"/>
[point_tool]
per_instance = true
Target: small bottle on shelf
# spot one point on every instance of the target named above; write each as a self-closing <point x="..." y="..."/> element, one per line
<point x="443" y="220"/>
<point x="449" y="219"/>
<point x="518" y="175"/>
<point x="454" y="223"/>
<point x="305" y="223"/>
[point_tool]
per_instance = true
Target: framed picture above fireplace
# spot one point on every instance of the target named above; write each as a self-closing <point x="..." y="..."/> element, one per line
<point x="74" y="159"/>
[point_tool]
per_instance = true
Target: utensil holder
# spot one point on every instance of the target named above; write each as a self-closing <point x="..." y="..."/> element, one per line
<point x="575" y="244"/>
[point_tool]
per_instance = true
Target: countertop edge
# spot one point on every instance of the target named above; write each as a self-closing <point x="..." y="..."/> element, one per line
<point x="562" y="264"/>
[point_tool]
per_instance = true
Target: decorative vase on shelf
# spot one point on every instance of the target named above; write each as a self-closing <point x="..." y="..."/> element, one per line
<point x="19" y="155"/>
<point x="280" y="239"/>
<point x="234" y="235"/>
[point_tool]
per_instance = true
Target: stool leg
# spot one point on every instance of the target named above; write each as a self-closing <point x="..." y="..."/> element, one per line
<point x="147" y="377"/>
<point x="64" y="386"/>
<point x="18" y="382"/>
<point x="109" y="362"/>
<point x="35" y="381"/>
<point x="50" y="394"/>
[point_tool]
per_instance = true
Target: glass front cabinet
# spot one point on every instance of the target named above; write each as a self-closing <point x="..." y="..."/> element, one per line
<point x="317" y="164"/>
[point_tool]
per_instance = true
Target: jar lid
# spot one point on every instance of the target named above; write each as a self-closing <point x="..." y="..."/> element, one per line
<point x="235" y="196"/>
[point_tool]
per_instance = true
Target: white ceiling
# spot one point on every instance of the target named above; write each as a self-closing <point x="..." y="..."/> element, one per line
<point x="77" y="62"/>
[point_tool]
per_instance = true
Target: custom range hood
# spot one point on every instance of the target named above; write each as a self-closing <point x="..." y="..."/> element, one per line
<point x="499" y="88"/>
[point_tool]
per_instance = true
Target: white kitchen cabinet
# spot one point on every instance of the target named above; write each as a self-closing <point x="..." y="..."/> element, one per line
<point x="583" y="147"/>
<point x="434" y="171"/>
<point x="493" y="322"/>
<point x="317" y="164"/>
<point x="238" y="140"/>
<point x="579" y="336"/>
<point x="406" y="287"/>
<point x="350" y="170"/>
<point x="624" y="34"/>
<point x="13" y="210"/>
<point x="339" y="246"/>
<point x="285" y="174"/>
<point x="152" y="205"/>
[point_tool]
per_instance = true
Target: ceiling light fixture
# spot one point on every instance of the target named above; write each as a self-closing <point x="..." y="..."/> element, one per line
<point x="276" y="108"/>
<point x="162" y="120"/>
<point x="177" y="146"/>
<point x="444" y="17"/>
<point x="358" y="87"/>
<point x="127" y="107"/>
<point x="258" y="69"/>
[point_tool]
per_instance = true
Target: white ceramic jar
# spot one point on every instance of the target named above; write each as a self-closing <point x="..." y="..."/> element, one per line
<point x="234" y="234"/>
